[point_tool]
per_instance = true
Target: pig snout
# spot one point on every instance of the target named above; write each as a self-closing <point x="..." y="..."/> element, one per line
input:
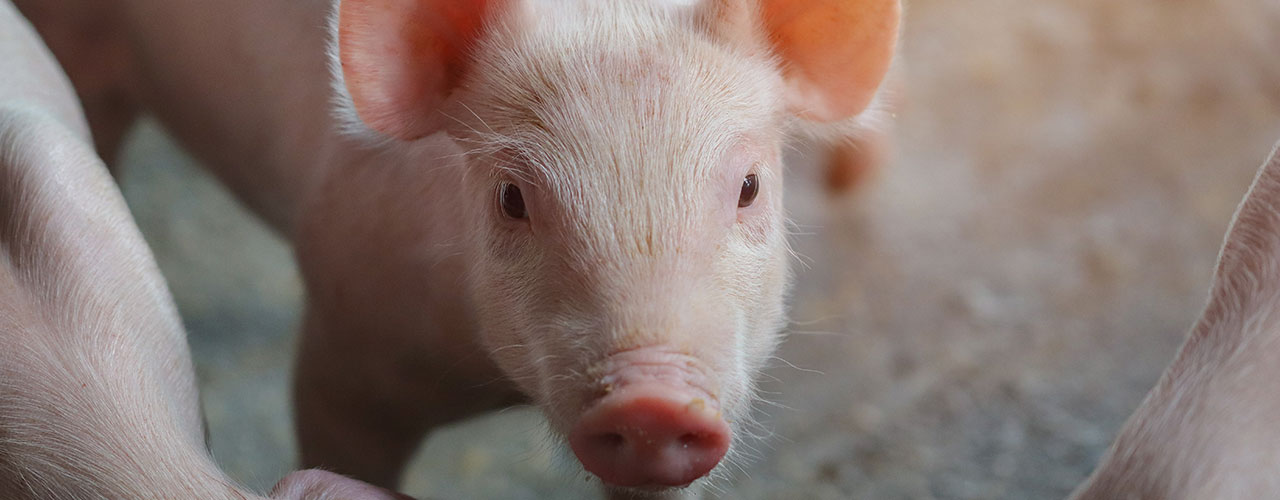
<point x="650" y="436"/>
<point x="656" y="426"/>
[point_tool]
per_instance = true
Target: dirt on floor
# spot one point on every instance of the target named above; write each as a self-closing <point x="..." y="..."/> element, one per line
<point x="976" y="322"/>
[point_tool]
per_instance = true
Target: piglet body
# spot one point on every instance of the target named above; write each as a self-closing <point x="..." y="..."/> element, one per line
<point x="97" y="394"/>
<point x="583" y="197"/>
<point x="1208" y="429"/>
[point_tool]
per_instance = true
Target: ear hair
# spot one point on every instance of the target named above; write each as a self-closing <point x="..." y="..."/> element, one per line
<point x="347" y="120"/>
<point x="833" y="54"/>
<point x="401" y="60"/>
<point x="734" y="21"/>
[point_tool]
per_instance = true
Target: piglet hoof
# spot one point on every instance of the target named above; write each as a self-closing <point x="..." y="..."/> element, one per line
<point x="316" y="484"/>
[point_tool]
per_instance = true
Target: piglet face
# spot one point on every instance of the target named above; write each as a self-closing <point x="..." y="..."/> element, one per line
<point x="626" y="194"/>
<point x="623" y="190"/>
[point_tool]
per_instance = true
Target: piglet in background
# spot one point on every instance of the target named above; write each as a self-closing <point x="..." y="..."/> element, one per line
<point x="588" y="192"/>
<point x="1208" y="429"/>
<point x="97" y="394"/>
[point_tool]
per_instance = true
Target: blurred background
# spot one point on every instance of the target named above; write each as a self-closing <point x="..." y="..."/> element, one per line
<point x="975" y="322"/>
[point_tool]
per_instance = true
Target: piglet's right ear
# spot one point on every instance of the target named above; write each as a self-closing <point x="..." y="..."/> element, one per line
<point x="402" y="58"/>
<point x="835" y="53"/>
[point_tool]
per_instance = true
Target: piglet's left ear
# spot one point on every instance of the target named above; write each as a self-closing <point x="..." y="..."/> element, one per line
<point x="401" y="59"/>
<point x="835" y="53"/>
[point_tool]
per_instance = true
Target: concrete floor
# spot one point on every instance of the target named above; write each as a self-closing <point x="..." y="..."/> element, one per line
<point x="975" y="323"/>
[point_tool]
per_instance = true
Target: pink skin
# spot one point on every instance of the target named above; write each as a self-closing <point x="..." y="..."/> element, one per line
<point x="656" y="424"/>
<point x="97" y="392"/>
<point x="1208" y="429"/>
<point x="628" y="127"/>
<point x="323" y="485"/>
<point x="604" y="255"/>
<point x="651" y="436"/>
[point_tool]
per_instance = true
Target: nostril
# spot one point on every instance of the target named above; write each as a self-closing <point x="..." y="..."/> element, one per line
<point x="610" y="440"/>
<point x="649" y="439"/>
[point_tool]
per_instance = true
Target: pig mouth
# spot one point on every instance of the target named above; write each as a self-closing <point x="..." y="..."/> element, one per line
<point x="653" y="424"/>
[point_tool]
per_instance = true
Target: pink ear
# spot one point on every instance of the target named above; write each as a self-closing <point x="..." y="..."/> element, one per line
<point x="402" y="58"/>
<point x="835" y="52"/>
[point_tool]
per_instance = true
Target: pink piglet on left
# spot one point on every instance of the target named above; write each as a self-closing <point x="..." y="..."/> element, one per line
<point x="97" y="392"/>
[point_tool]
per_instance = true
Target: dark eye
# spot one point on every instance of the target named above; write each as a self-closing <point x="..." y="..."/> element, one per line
<point x="512" y="202"/>
<point x="750" y="188"/>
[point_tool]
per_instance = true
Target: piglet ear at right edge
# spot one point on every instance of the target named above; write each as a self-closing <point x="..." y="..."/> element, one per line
<point x="1248" y="273"/>
<point x="835" y="53"/>
<point x="401" y="59"/>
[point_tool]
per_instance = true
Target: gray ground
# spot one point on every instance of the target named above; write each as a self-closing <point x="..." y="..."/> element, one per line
<point x="975" y="323"/>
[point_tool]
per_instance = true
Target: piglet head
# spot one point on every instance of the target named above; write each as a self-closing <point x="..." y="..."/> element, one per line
<point x="624" y="188"/>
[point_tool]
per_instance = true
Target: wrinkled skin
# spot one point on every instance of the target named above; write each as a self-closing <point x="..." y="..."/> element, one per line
<point x="629" y="130"/>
